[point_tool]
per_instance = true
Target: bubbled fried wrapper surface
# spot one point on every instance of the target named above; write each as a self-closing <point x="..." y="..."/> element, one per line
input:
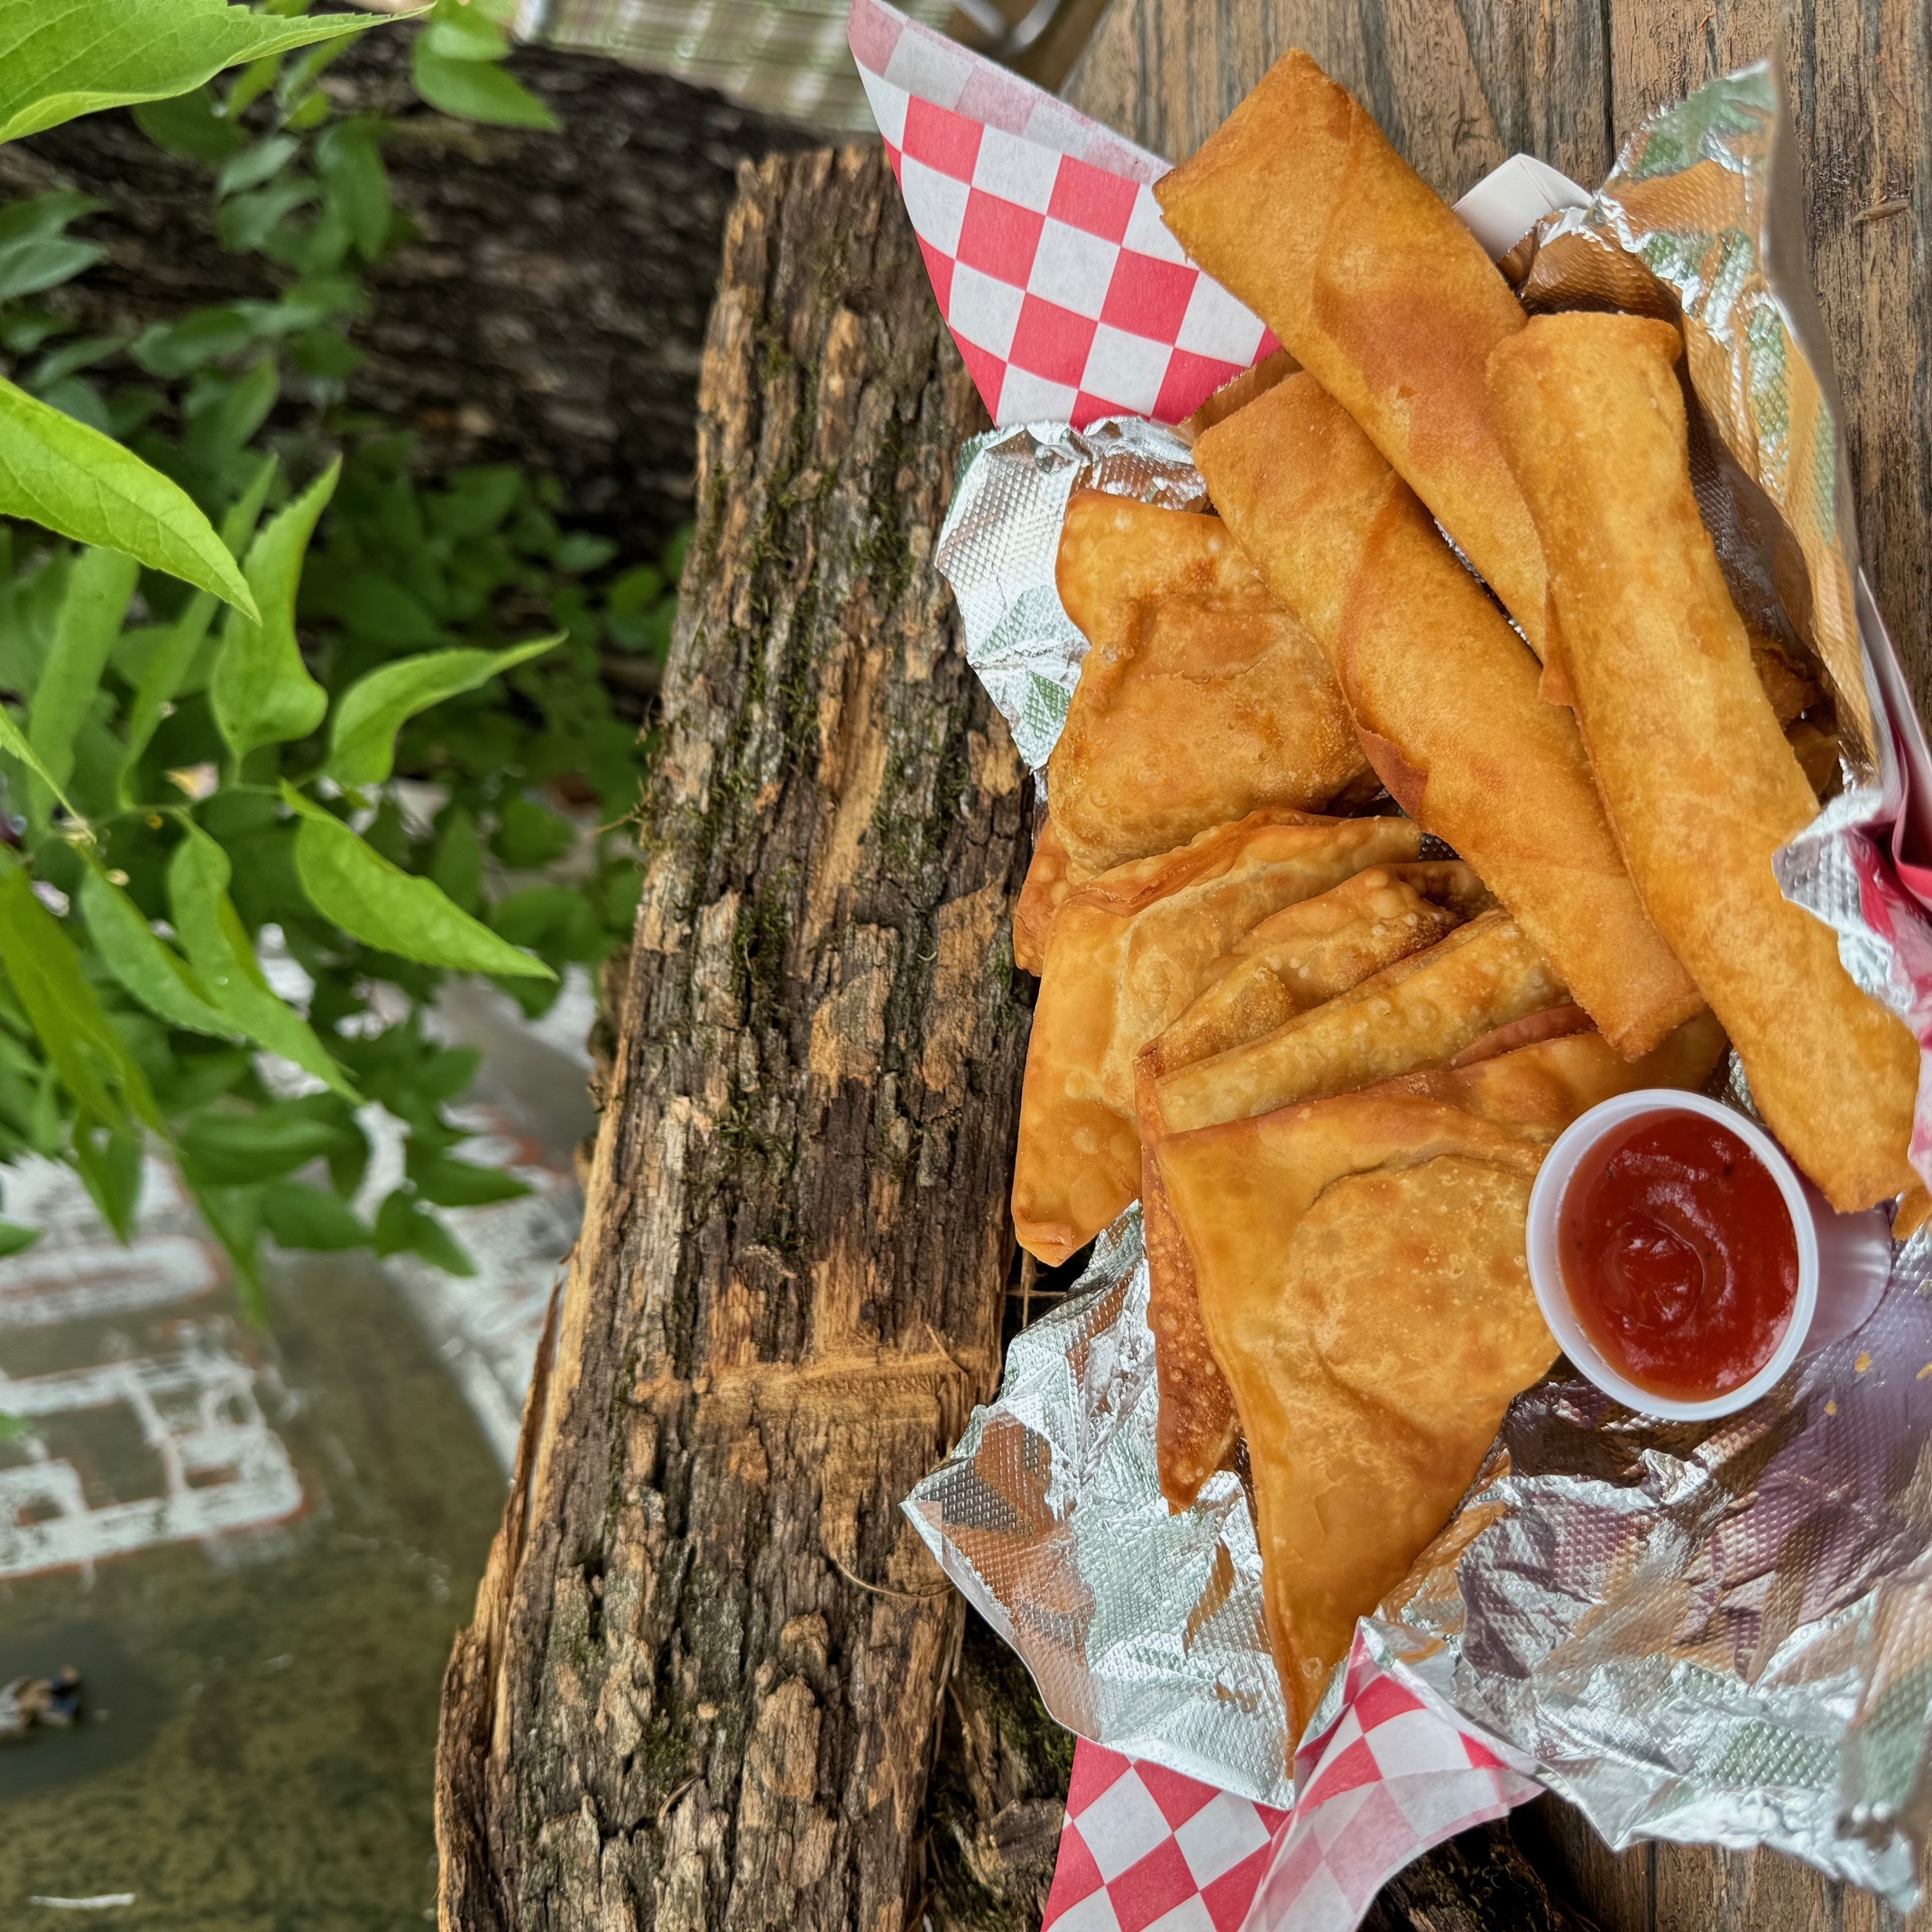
<point x="1715" y="1633"/>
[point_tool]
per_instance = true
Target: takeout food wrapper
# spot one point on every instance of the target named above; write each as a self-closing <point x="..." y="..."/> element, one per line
<point x="1716" y="1633"/>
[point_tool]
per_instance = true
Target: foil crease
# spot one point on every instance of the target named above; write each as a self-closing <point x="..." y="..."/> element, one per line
<point x="998" y="547"/>
<point x="1714" y="1634"/>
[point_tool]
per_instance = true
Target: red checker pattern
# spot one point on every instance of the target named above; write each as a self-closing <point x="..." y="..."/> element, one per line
<point x="1147" y="297"/>
<point x="1052" y="341"/>
<point x="1089" y="199"/>
<point x="946" y="142"/>
<point x="999" y="238"/>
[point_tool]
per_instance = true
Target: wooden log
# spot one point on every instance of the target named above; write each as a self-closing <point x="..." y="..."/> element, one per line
<point x="704" y="1685"/>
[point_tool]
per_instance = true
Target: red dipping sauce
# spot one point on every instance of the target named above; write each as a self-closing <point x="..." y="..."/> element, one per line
<point x="1678" y="1255"/>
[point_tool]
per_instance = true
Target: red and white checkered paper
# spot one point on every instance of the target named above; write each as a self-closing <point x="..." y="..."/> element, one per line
<point x="1147" y="1850"/>
<point x="1067" y="296"/>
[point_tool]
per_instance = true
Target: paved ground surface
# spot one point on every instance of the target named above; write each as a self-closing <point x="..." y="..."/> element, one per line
<point x="257" y="1545"/>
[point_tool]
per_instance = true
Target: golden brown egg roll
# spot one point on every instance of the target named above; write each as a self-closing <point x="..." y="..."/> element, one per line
<point x="1127" y="954"/>
<point x="1201" y="699"/>
<point x="1701" y="782"/>
<point x="1301" y="207"/>
<point x="1362" y="1279"/>
<point x="1047" y="885"/>
<point x="1292" y="961"/>
<point x="1419" y="1012"/>
<point x="1444" y="696"/>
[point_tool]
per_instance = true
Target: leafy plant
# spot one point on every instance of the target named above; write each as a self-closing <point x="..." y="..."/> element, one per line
<point x="285" y="686"/>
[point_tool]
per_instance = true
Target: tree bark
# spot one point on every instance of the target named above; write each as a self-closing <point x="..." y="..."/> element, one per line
<point x="707" y="1672"/>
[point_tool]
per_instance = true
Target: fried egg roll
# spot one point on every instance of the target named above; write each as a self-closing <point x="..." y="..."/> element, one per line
<point x="1292" y="961"/>
<point x="1127" y="954"/>
<point x="1300" y="206"/>
<point x="1701" y="784"/>
<point x="1363" y="1283"/>
<point x="1201" y="699"/>
<point x="1444" y="696"/>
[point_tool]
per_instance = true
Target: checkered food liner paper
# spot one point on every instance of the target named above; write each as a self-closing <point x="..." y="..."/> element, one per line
<point x="1715" y="1634"/>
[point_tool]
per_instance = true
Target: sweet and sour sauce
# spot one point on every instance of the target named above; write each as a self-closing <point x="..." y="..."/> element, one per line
<point x="1678" y="1255"/>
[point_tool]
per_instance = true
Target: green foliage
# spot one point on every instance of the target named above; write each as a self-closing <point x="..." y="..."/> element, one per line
<point x="454" y="65"/>
<point x="395" y="744"/>
<point x="63" y="58"/>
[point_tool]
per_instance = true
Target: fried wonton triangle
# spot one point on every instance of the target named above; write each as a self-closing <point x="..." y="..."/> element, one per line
<point x="1127" y="955"/>
<point x="1294" y="960"/>
<point x="1362" y="1279"/>
<point x="1201" y="700"/>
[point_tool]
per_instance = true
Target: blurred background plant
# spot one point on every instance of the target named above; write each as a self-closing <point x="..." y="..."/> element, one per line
<point x="243" y="848"/>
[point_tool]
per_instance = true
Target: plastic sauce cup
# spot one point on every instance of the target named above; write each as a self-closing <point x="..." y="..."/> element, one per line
<point x="1844" y="1260"/>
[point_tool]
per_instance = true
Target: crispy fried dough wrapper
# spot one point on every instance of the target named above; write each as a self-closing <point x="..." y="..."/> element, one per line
<point x="1444" y="696"/>
<point x="1295" y="960"/>
<point x="1048" y="883"/>
<point x="1362" y="1278"/>
<point x="1701" y="782"/>
<point x="1419" y="1012"/>
<point x="1127" y="954"/>
<point x="1201" y="700"/>
<point x="1301" y="207"/>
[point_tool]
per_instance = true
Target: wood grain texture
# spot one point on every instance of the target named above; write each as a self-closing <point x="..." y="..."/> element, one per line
<point x="1457" y="84"/>
<point x="1458" y="87"/>
<point x="704" y="1682"/>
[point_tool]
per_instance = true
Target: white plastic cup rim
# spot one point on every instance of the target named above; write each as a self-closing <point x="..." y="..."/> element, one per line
<point x="1546" y="1270"/>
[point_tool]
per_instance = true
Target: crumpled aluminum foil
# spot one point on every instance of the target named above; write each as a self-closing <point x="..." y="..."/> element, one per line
<point x="1713" y="1633"/>
<point x="1001" y="536"/>
<point x="1142" y="1629"/>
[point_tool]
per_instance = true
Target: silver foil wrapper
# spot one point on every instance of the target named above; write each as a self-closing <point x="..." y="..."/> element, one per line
<point x="1142" y="1629"/>
<point x="1716" y="1633"/>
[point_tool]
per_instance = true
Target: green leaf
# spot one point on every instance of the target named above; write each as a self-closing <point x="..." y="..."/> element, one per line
<point x="449" y="1183"/>
<point x="348" y="157"/>
<point x="384" y="907"/>
<point x="233" y="1150"/>
<point x="73" y="479"/>
<point x="244" y="225"/>
<point x="165" y="671"/>
<point x="98" y="588"/>
<point x="147" y="968"/>
<point x="304" y="1216"/>
<point x="63" y="58"/>
<point x="262" y="692"/>
<point x="14" y="742"/>
<point x="464" y="32"/>
<point x="35" y="252"/>
<point x="233" y="1215"/>
<point x="530" y="835"/>
<point x="219" y="950"/>
<point x="73" y="1028"/>
<point x="109" y="1165"/>
<point x="475" y="90"/>
<point x="189" y="125"/>
<point x="402" y="1228"/>
<point x="13" y="1238"/>
<point x="362" y="740"/>
<point x="252" y="166"/>
<point x="457" y="866"/>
